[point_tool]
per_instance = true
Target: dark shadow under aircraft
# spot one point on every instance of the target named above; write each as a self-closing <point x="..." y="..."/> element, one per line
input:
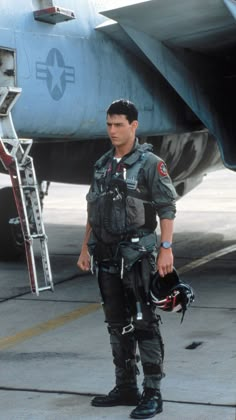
<point x="174" y="60"/>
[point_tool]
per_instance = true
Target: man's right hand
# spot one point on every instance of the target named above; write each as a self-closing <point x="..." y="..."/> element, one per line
<point x="84" y="260"/>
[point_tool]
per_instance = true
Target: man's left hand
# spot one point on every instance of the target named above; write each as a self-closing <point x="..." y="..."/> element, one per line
<point x="165" y="261"/>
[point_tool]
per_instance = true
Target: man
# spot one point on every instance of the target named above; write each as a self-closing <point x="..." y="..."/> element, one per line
<point x="130" y="186"/>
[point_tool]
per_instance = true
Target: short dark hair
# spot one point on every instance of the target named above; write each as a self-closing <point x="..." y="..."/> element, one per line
<point x="124" y="107"/>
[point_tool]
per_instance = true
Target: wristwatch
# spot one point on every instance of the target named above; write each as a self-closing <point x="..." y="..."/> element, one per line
<point x="166" y="244"/>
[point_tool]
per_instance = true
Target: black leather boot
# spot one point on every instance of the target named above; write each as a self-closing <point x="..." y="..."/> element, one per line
<point x="120" y="395"/>
<point x="149" y="405"/>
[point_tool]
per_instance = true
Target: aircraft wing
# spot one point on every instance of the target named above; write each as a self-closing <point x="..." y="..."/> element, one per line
<point x="204" y="26"/>
<point x="191" y="43"/>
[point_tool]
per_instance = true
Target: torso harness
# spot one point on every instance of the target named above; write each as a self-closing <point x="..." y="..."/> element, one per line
<point x="119" y="205"/>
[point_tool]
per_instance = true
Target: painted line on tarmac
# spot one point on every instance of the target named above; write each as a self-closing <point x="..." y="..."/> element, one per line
<point x="93" y="394"/>
<point x="52" y="324"/>
<point x="206" y="259"/>
<point x="13" y="340"/>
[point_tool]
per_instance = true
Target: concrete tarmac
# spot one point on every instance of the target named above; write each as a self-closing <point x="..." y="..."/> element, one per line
<point x="54" y="349"/>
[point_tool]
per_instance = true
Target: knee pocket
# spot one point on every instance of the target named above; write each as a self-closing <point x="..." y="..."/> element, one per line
<point x="147" y="333"/>
<point x="152" y="369"/>
<point x="150" y="334"/>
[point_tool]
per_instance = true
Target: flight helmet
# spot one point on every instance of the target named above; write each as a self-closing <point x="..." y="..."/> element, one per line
<point x="170" y="294"/>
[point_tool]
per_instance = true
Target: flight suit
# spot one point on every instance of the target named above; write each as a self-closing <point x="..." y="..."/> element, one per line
<point x="125" y="258"/>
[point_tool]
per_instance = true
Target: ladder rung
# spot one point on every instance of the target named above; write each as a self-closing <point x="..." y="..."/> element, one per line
<point x="41" y="289"/>
<point x="29" y="187"/>
<point x="39" y="236"/>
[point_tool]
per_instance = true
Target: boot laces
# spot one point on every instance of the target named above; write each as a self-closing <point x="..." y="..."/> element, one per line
<point x="147" y="395"/>
<point x="115" y="390"/>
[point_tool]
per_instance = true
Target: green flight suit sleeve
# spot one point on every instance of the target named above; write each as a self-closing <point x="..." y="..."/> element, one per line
<point x="161" y="188"/>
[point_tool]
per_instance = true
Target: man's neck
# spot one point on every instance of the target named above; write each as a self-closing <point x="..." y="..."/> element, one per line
<point x="123" y="150"/>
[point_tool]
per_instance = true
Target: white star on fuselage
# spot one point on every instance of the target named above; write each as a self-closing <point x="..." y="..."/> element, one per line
<point x="56" y="72"/>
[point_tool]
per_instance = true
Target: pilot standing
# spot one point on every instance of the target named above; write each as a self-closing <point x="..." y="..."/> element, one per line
<point x="130" y="187"/>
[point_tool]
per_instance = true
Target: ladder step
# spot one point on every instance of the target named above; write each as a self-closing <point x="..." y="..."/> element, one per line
<point x="39" y="236"/>
<point x="29" y="187"/>
<point x="41" y="289"/>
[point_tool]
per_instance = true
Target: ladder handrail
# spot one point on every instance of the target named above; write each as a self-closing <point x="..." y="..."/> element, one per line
<point x="14" y="154"/>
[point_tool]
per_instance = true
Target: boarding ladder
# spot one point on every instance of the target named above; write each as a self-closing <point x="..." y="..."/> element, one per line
<point x="14" y="154"/>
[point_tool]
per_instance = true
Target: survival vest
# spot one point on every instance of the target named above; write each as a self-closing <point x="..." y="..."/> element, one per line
<point x="118" y="206"/>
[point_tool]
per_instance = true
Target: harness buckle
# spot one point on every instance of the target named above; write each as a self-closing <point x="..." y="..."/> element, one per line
<point x="127" y="329"/>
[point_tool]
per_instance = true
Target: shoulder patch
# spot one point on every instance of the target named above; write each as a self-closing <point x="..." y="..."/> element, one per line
<point x="162" y="169"/>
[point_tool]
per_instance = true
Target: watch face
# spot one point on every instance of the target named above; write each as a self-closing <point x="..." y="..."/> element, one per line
<point x="166" y="244"/>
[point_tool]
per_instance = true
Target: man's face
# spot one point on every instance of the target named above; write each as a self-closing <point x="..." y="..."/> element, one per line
<point x="120" y="131"/>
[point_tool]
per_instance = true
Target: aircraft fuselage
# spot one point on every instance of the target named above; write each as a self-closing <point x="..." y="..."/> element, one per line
<point x="70" y="73"/>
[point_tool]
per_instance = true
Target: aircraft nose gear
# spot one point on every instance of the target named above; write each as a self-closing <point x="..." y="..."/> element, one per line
<point x="14" y="154"/>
